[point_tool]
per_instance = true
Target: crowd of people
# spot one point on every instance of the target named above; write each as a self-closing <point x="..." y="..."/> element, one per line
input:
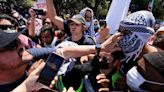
<point x="94" y="61"/>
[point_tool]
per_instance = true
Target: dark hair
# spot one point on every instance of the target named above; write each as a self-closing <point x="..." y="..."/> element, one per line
<point x="11" y="19"/>
<point x="118" y="55"/>
<point x="5" y="8"/>
<point x="102" y="23"/>
<point x="48" y="28"/>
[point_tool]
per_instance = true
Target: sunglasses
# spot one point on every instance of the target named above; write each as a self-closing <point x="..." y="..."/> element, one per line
<point x="6" y="27"/>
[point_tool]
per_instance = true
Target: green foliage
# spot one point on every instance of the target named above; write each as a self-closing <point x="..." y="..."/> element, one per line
<point x="158" y="9"/>
<point x="23" y="3"/>
<point x="27" y="3"/>
<point x="141" y="3"/>
<point x="100" y="7"/>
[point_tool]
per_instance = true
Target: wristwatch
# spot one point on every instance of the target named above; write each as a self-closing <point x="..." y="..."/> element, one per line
<point x="98" y="49"/>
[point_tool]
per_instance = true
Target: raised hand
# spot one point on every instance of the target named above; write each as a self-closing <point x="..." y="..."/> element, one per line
<point x="111" y="44"/>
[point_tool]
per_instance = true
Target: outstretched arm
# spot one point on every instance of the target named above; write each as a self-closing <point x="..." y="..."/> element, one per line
<point x="73" y="51"/>
<point x="77" y="51"/>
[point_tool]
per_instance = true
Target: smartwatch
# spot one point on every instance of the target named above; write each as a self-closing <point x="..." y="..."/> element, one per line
<point x="98" y="49"/>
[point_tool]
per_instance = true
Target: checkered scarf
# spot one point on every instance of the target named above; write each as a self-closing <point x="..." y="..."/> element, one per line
<point x="139" y="29"/>
<point x="91" y="31"/>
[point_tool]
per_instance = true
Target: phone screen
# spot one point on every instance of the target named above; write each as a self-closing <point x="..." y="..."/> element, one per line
<point x="51" y="68"/>
<point x="39" y="11"/>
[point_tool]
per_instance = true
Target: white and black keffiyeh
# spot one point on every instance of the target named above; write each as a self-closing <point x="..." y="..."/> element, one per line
<point x="139" y="26"/>
<point x="90" y="31"/>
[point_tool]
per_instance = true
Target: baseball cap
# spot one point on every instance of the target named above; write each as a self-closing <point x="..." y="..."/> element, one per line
<point x="7" y="38"/>
<point x="156" y="59"/>
<point x="77" y="19"/>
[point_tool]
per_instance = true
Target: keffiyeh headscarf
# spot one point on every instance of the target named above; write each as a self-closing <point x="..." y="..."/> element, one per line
<point x="139" y="29"/>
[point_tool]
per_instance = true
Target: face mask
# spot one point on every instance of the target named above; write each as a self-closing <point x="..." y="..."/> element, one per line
<point x="131" y="46"/>
<point x="96" y="27"/>
<point x="135" y="79"/>
<point x="88" y="24"/>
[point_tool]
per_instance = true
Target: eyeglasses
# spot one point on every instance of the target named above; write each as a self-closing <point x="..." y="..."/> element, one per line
<point x="6" y="27"/>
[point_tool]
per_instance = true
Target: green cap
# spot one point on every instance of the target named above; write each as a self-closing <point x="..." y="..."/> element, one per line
<point x="77" y="19"/>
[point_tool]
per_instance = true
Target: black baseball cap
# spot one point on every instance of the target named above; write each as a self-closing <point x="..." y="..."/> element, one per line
<point x="7" y="38"/>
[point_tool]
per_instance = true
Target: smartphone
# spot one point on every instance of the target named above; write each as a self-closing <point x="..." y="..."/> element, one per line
<point x="39" y="11"/>
<point x="53" y="64"/>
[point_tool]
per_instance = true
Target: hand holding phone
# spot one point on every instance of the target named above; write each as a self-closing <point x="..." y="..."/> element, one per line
<point x="53" y="64"/>
<point x="39" y="11"/>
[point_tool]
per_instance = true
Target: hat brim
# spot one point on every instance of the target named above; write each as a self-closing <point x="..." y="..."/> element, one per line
<point x="7" y="38"/>
<point x="74" y="20"/>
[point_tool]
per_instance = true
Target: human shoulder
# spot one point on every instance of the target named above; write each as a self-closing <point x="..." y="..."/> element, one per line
<point x="89" y="40"/>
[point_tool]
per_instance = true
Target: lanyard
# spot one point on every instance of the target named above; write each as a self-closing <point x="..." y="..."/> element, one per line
<point x="62" y="85"/>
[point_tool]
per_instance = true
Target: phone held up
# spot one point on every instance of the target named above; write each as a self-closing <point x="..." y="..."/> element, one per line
<point x="53" y="64"/>
<point x="39" y="11"/>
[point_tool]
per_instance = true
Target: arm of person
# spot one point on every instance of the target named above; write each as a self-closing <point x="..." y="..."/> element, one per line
<point x="77" y="51"/>
<point x="73" y="51"/>
<point x="36" y="53"/>
<point x="31" y="26"/>
<point x="31" y="84"/>
<point x="102" y="34"/>
<point x="57" y="21"/>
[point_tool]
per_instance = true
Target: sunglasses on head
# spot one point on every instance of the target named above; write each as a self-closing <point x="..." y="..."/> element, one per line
<point x="5" y="27"/>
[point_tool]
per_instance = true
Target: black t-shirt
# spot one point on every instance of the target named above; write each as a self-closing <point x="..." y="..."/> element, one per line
<point x="71" y="78"/>
<point x="85" y="40"/>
